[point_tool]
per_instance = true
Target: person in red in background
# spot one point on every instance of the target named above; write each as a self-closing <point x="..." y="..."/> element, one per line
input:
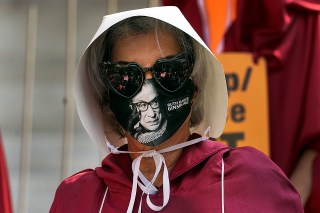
<point x="5" y="199"/>
<point x="287" y="34"/>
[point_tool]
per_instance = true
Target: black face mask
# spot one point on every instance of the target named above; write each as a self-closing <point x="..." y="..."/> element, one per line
<point x="153" y="115"/>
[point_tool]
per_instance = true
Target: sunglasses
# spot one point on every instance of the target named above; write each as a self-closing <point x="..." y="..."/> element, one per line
<point x="127" y="80"/>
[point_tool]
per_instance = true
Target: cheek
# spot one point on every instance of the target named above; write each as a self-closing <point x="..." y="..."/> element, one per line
<point x="143" y="115"/>
<point x="158" y="112"/>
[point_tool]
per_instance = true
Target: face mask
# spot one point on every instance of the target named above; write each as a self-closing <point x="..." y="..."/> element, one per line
<point x="153" y="115"/>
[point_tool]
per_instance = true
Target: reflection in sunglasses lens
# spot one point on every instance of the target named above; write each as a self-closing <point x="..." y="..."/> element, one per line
<point x="170" y="74"/>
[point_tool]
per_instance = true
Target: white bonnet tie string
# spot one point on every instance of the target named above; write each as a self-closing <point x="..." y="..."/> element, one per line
<point x="159" y="161"/>
<point x="222" y="186"/>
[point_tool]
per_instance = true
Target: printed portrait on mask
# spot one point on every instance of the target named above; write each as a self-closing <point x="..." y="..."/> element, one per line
<point x="150" y="121"/>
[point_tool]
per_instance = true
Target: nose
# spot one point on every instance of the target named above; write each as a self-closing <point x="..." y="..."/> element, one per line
<point x="148" y="75"/>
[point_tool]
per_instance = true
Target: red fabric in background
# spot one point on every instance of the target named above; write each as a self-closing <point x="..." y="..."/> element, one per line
<point x="287" y="34"/>
<point x="190" y="10"/>
<point x="5" y="199"/>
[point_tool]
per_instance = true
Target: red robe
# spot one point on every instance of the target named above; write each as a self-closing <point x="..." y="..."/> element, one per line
<point x="5" y="198"/>
<point x="252" y="183"/>
<point x="287" y="34"/>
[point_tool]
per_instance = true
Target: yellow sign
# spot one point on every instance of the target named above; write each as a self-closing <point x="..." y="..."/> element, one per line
<point x="247" y="122"/>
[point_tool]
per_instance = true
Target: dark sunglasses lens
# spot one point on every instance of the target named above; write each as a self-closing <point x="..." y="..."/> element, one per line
<point x="171" y="74"/>
<point x="125" y="81"/>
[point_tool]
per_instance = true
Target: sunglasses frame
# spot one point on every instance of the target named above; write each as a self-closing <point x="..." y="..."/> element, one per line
<point x="105" y="65"/>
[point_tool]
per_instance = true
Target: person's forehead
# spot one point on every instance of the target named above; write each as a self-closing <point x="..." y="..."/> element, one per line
<point x="145" y="48"/>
